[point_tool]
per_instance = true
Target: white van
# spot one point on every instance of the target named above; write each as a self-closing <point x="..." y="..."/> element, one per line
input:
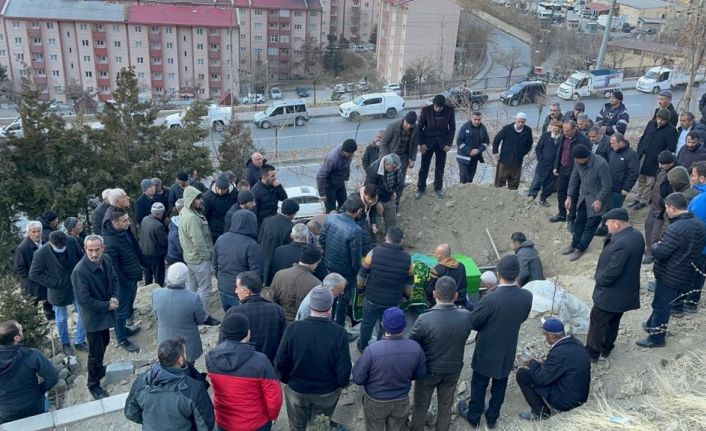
<point x="388" y="104"/>
<point x="13" y="129"/>
<point x="282" y="113"/>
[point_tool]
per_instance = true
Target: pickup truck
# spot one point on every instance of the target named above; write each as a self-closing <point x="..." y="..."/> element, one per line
<point x="217" y="119"/>
<point x="592" y="82"/>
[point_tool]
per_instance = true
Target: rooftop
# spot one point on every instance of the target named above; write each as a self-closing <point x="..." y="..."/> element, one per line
<point x="598" y="7"/>
<point x="65" y="10"/>
<point x="189" y="16"/>
<point x="645" y="4"/>
<point x="647" y="46"/>
<point x="280" y="4"/>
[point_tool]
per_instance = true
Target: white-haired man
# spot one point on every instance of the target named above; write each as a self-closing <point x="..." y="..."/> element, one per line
<point x="510" y="147"/>
<point x="99" y="212"/>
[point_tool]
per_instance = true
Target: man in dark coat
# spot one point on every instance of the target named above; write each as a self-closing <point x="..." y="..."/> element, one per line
<point x="677" y="251"/>
<point x="125" y="254"/>
<point x="333" y="174"/>
<point x="177" y="189"/>
<point x="687" y="124"/>
<point x="692" y="151"/>
<point x="51" y="267"/>
<point x="274" y="232"/>
<point x="289" y="254"/>
<point x="24" y="253"/>
<point x="617" y="278"/>
<point x="246" y="201"/>
<point x="531" y="268"/>
<point x="658" y="136"/>
<point x="562" y="381"/>
<point x="401" y="137"/>
<point x="655" y="223"/>
<point x="664" y="101"/>
<point x="252" y="168"/>
<point x="600" y="142"/>
<point x="544" y="178"/>
<point x="291" y="285"/>
<point x="154" y="243"/>
<point x="497" y="318"/>
<point x="573" y="115"/>
<point x="553" y="116"/>
<point x="216" y="203"/>
<point x="99" y="213"/>
<point x="50" y="222"/>
<point x="372" y="151"/>
<point x="614" y="115"/>
<point x="96" y="286"/>
<point x="449" y="266"/>
<point x="161" y="194"/>
<point x="513" y="142"/>
<point x="437" y="128"/>
<point x="563" y="166"/>
<point x="143" y="204"/>
<point x="25" y="375"/>
<point x="268" y="192"/>
<point x="384" y="175"/>
<point x="472" y="141"/>
<point x="236" y="251"/>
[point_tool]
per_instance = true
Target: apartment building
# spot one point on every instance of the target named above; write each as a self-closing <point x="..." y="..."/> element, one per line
<point x="411" y="31"/>
<point x="355" y="20"/>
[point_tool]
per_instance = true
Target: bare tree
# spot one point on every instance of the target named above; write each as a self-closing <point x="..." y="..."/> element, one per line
<point x="615" y="57"/>
<point x="694" y="35"/>
<point x="510" y="60"/>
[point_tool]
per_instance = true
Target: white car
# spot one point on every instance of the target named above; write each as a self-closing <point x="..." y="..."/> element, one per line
<point x="339" y="88"/>
<point x="253" y="98"/>
<point x="392" y="87"/>
<point x="388" y="104"/>
<point x="275" y="93"/>
<point x="13" y="129"/>
<point x="310" y="203"/>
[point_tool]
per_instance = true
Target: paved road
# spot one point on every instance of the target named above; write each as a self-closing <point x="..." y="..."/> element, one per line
<point x="500" y="43"/>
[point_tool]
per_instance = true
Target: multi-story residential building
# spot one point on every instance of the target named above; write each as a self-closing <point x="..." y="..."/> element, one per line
<point x="355" y="20"/>
<point x="413" y="31"/>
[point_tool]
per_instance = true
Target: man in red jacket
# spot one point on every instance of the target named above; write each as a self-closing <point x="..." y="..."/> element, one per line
<point x="246" y="392"/>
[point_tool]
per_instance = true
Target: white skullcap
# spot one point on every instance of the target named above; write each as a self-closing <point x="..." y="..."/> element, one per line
<point x="521" y="115"/>
<point x="178" y="274"/>
<point x="488" y="277"/>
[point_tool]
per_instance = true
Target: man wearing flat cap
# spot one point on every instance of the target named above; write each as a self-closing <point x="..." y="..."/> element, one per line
<point x="617" y="288"/>
<point x="513" y="142"/>
<point x="401" y="137"/>
<point x="497" y="318"/>
<point x="589" y="191"/>
<point x="154" y="244"/>
<point x="274" y="232"/>
<point x="437" y="128"/>
<point x="560" y="382"/>
<point x="664" y="100"/>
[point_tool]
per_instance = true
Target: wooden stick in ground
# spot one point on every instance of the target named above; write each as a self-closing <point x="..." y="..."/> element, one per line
<point x="490" y="237"/>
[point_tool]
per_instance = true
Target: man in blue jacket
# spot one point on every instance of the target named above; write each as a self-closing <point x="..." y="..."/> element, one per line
<point x="472" y="140"/>
<point x="698" y="207"/>
<point x="561" y="381"/>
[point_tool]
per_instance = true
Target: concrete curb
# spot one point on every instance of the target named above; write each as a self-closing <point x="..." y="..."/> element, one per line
<point x="68" y="415"/>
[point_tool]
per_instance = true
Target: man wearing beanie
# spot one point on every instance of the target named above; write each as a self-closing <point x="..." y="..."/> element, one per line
<point x="246" y="392"/>
<point x="401" y="137"/>
<point x="245" y="201"/>
<point x="74" y="228"/>
<point x="472" y="141"/>
<point x="655" y="223"/>
<point x="589" y="191"/>
<point x="513" y="142"/>
<point x="497" y="318"/>
<point x="274" y="232"/>
<point x="314" y="361"/>
<point x="268" y="192"/>
<point x="143" y="204"/>
<point x="290" y="286"/>
<point x="177" y="189"/>
<point x="154" y="244"/>
<point x="216" y="202"/>
<point x="161" y="194"/>
<point x="386" y="371"/>
<point x="564" y="165"/>
<point x="179" y="312"/>
<point x="561" y="381"/>
<point x="614" y="116"/>
<point x="617" y="288"/>
<point x="333" y="174"/>
<point x="437" y="128"/>
<point x="50" y="222"/>
<point x="658" y="136"/>
<point x="664" y="100"/>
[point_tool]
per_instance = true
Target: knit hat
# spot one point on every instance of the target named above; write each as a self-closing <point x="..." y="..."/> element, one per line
<point x="581" y="152"/>
<point x="618" y="95"/>
<point x="393" y="320"/>
<point x="663" y="114"/>
<point x="508" y="267"/>
<point x="156" y="182"/>
<point x="410" y="117"/>
<point x="245" y="197"/>
<point x="49" y="216"/>
<point x="289" y="207"/>
<point x="320" y="299"/>
<point x="617" y="214"/>
<point x="439" y="100"/>
<point x="553" y="325"/>
<point x="177" y="274"/>
<point x="349" y="146"/>
<point x="579" y="105"/>
<point x="157" y="208"/>
<point x="235" y="326"/>
<point x="222" y="182"/>
<point x="182" y="176"/>
<point x="666" y="93"/>
<point x="145" y="184"/>
<point x="665" y="157"/>
<point x="70" y="223"/>
<point x="310" y="254"/>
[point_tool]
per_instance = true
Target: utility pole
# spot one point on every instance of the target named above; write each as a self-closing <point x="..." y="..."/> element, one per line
<point x="232" y="48"/>
<point x="606" y="36"/>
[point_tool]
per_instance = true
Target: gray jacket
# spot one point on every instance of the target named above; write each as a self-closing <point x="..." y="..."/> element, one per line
<point x="530" y="263"/>
<point x="391" y="140"/>
<point x="153" y="237"/>
<point x="590" y="182"/>
<point x="179" y="311"/>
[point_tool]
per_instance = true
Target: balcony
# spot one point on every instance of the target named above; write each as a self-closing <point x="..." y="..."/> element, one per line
<point x="214" y="54"/>
<point x="154" y="37"/>
<point x="41" y="80"/>
<point x="100" y="51"/>
<point x="36" y="49"/>
<point x="98" y="35"/>
<point x="34" y="32"/>
<point x="158" y="83"/>
<point x="217" y="84"/>
<point x="156" y="67"/>
<point x="214" y="38"/>
<point x="214" y="67"/>
<point x="155" y="52"/>
<point x="102" y="67"/>
<point x="104" y="82"/>
<point x="38" y="64"/>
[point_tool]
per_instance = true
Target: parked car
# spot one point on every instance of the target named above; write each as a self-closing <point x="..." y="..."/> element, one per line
<point x="524" y="92"/>
<point x="350" y="87"/>
<point x="309" y="202"/>
<point x="392" y="87"/>
<point x="13" y="129"/>
<point x="388" y="104"/>
<point x="217" y="118"/>
<point x="339" y="88"/>
<point x="252" y="98"/>
<point x="282" y="113"/>
<point x="464" y="98"/>
<point x="303" y="91"/>
<point x="363" y="85"/>
<point x="275" y="93"/>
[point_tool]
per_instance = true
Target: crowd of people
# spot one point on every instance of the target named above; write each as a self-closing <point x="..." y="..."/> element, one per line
<point x="244" y="232"/>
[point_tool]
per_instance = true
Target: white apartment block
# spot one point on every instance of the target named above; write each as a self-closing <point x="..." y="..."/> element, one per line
<point x="353" y="19"/>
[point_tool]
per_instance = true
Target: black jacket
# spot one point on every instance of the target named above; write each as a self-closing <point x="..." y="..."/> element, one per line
<point x="603" y="148"/>
<point x="618" y="272"/>
<point x="267" y="199"/>
<point x="46" y="229"/>
<point x="237" y="251"/>
<point x="124" y="252"/>
<point x="452" y="268"/>
<point x="287" y="255"/>
<point x="21" y="394"/>
<point x="437" y="129"/>
<point x="385" y="190"/>
<point x="251" y="173"/>
<point x="274" y="231"/>
<point x="314" y="357"/>
<point x="371" y="153"/>
<point x="578" y="139"/>
<point x="143" y="207"/>
<point x="498" y="318"/>
<point x="678" y="248"/>
<point x="153" y="237"/>
<point x="442" y="332"/>
<point x="94" y="286"/>
<point x="624" y="169"/>
<point x="166" y="399"/>
<point x="687" y="157"/>
<point x="515" y="146"/>
<point x="334" y="171"/>
<point x="266" y="323"/>
<point x="546" y="150"/>
<point x="673" y="115"/>
<point x="530" y="263"/>
<point x="24" y="253"/>
<point x="216" y="206"/>
<point x="564" y="380"/>
<point x="175" y="193"/>
<point x="97" y="217"/>
<point x="654" y="140"/>
<point x="388" y="274"/>
<point x="229" y="216"/>
<point x="471" y="138"/>
<point x="54" y="272"/>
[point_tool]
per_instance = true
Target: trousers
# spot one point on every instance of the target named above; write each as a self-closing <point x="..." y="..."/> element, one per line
<point x="439" y="166"/>
<point x="200" y="281"/>
<point x="445" y="386"/>
<point x="97" y="344"/>
<point x="154" y="271"/>
<point x="62" y="324"/>
<point x="602" y="332"/>
<point x="303" y="408"/>
<point x="335" y="197"/>
<point x="476" y="405"/>
<point x="535" y="401"/>
<point x="508" y="175"/>
<point x="385" y="415"/>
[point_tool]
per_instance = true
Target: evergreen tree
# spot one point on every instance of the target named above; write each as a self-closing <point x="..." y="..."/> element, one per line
<point x="236" y="147"/>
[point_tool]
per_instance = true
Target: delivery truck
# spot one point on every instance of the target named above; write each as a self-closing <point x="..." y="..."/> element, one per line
<point x="591" y="82"/>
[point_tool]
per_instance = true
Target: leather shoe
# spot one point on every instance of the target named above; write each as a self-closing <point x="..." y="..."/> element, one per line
<point x="132" y="331"/>
<point x="633" y="203"/>
<point x="419" y="194"/>
<point x="691" y="308"/>
<point x="576" y="255"/>
<point x="98" y="393"/>
<point x="67" y="350"/>
<point x="567" y="250"/>
<point x="352" y="336"/>
<point x="462" y="411"/>
<point x="649" y="343"/>
<point x="83" y="347"/>
<point x="544" y="203"/>
<point x="129" y="346"/>
<point x="639" y="206"/>
<point x="440" y="194"/>
<point x="557" y="218"/>
<point x="212" y="321"/>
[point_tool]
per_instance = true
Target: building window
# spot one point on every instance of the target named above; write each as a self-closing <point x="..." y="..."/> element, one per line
<point x="104" y="74"/>
<point x="258" y="38"/>
<point x="200" y="61"/>
<point x="214" y="46"/>
<point x="284" y="13"/>
<point x="258" y="11"/>
<point x="258" y="26"/>
<point x="18" y="41"/>
<point x="199" y="31"/>
<point x="70" y="50"/>
<point x="116" y="28"/>
<point x="84" y="42"/>
<point x="274" y="38"/>
<point x="168" y="30"/>
<point x="140" y="60"/>
<point x="156" y="60"/>
<point x="297" y="39"/>
<point x="58" y="88"/>
<point x="242" y="24"/>
<point x="53" y="57"/>
<point x="68" y="34"/>
<point x="102" y="59"/>
<point x="170" y="61"/>
<point x="37" y="41"/>
<point x="272" y="51"/>
<point x="242" y="36"/>
<point x="15" y="24"/>
<point x="297" y="26"/>
<point x="87" y="58"/>
<point x="199" y="46"/>
<point x="105" y="89"/>
<point x="23" y="72"/>
<point x="138" y="29"/>
<point x="312" y="14"/>
<point x="118" y="59"/>
<point x="202" y="76"/>
<point x="116" y="44"/>
<point x="258" y="51"/>
<point x="170" y="45"/>
<point x="55" y="73"/>
<point x="89" y="74"/>
<point x="52" y="41"/>
<point x="284" y="39"/>
<point x="214" y="76"/>
<point x="243" y="62"/>
<point x="50" y="25"/>
<point x="297" y="13"/>
<point x="100" y="43"/>
<point x="157" y="75"/>
<point x="242" y="49"/>
<point x="41" y="72"/>
<point x="2" y="52"/>
<point x="83" y="26"/>
<point x="155" y="29"/>
<point x="171" y="75"/>
<point x="228" y="47"/>
<point x="186" y="53"/>
<point x="312" y="27"/>
<point x="138" y="44"/>
<point x="141" y="75"/>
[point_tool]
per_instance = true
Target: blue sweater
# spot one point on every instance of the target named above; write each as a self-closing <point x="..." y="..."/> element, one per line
<point x="698" y="205"/>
